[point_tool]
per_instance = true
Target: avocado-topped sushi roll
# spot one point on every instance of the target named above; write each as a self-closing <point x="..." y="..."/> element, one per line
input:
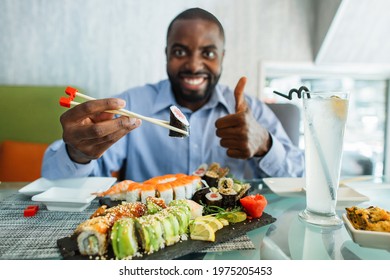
<point x="170" y="227"/>
<point x="150" y="231"/>
<point x="93" y="234"/>
<point x="123" y="239"/>
<point x="177" y="119"/>
<point x="183" y="215"/>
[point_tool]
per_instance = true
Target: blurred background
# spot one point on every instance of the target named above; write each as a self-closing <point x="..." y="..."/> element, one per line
<point x="105" y="47"/>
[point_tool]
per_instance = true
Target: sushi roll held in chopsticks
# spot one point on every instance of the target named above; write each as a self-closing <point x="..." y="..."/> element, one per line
<point x="177" y="119"/>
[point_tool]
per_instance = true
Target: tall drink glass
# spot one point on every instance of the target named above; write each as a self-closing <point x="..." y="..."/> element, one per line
<point x="325" y="119"/>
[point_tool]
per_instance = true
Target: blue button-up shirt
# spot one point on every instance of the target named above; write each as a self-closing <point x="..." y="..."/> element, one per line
<point x="148" y="151"/>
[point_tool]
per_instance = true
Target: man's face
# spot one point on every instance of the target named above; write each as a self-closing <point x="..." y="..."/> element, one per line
<point x="195" y="51"/>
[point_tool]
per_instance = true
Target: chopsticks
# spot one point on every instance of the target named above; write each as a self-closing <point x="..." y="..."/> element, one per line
<point x="72" y="92"/>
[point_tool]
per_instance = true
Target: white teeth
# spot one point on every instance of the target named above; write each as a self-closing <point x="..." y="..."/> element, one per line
<point x="194" y="82"/>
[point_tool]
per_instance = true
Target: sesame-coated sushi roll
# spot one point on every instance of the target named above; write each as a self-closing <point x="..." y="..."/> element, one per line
<point x="183" y="216"/>
<point x="123" y="239"/>
<point x="92" y="235"/>
<point x="150" y="231"/>
<point x="170" y="227"/>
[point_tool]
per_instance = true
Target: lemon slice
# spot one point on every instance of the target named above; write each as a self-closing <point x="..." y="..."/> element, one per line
<point x="202" y="231"/>
<point x="340" y="106"/>
<point x="224" y="221"/>
<point x="213" y="222"/>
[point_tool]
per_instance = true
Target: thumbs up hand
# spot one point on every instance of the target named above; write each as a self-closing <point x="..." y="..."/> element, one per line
<point x="241" y="105"/>
<point x="240" y="133"/>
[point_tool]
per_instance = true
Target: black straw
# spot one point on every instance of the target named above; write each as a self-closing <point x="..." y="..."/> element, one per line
<point x="300" y="92"/>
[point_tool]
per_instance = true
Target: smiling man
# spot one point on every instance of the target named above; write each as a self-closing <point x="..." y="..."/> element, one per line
<point x="227" y="126"/>
<point x="195" y="51"/>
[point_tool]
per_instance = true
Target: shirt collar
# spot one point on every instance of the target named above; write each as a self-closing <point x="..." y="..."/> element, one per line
<point x="165" y="99"/>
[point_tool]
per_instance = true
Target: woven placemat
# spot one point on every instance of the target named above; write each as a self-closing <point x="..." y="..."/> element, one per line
<point x="242" y="242"/>
<point x="36" y="237"/>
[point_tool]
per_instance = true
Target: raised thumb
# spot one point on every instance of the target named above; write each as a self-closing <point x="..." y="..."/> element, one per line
<point x="241" y="105"/>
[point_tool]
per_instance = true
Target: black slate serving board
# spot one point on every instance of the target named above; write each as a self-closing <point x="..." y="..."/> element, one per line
<point x="69" y="250"/>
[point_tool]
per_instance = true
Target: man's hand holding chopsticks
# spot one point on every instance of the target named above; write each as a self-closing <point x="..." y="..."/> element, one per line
<point x="89" y="131"/>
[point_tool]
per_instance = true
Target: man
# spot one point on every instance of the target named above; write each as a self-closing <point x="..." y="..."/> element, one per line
<point x="227" y="127"/>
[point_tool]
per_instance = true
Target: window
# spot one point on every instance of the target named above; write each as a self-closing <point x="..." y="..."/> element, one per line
<point x="365" y="130"/>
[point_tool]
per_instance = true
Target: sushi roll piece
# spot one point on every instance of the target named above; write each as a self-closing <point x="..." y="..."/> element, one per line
<point x="195" y="183"/>
<point x="170" y="227"/>
<point x="92" y="235"/>
<point x="179" y="192"/>
<point x="135" y="209"/>
<point x="152" y="206"/>
<point x="150" y="232"/>
<point x="177" y="119"/>
<point x="147" y="190"/>
<point x="188" y="186"/>
<point x="117" y="191"/>
<point x="229" y="200"/>
<point x="226" y="189"/>
<point x="213" y="199"/>
<point x="133" y="193"/>
<point x="123" y="239"/>
<point x="201" y="170"/>
<point x="156" y="200"/>
<point x="199" y="195"/>
<point x="211" y="177"/>
<point x="165" y="192"/>
<point x="183" y="216"/>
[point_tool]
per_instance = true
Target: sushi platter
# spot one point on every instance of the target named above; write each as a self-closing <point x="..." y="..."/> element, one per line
<point x="167" y="217"/>
<point x="69" y="250"/>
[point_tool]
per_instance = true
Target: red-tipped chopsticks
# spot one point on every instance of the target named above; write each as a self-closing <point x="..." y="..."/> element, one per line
<point x="73" y="92"/>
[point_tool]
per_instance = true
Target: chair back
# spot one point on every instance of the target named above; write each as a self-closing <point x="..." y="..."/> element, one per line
<point x="290" y="117"/>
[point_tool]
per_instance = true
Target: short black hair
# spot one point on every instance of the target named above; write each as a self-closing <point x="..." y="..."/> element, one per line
<point x="197" y="13"/>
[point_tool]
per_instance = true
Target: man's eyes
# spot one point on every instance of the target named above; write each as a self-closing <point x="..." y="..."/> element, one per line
<point x="206" y="54"/>
<point x="209" y="54"/>
<point x="179" y="52"/>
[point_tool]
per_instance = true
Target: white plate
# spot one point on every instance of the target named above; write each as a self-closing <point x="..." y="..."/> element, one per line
<point x="367" y="238"/>
<point x="286" y="186"/>
<point x="64" y="199"/>
<point x="72" y="195"/>
<point x="36" y="187"/>
<point x="42" y="184"/>
<point x="295" y="187"/>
